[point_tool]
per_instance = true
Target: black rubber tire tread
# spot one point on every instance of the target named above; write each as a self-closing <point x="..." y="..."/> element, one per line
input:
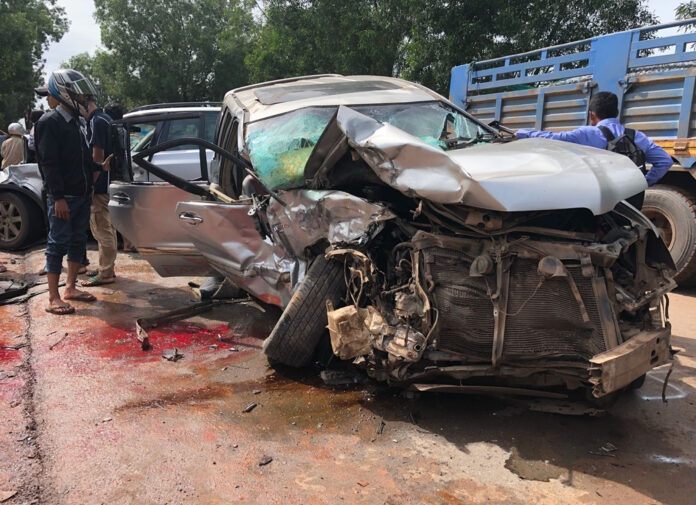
<point x="297" y="333"/>
<point x="28" y="216"/>
<point x="681" y="206"/>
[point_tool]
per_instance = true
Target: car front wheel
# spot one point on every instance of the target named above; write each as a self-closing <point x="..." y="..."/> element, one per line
<point x="17" y="217"/>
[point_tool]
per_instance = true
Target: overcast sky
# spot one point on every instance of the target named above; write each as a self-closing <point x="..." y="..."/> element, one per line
<point x="84" y="31"/>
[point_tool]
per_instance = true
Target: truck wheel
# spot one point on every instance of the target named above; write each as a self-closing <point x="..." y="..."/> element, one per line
<point x="17" y="216"/>
<point x="297" y="333"/>
<point x="673" y="212"/>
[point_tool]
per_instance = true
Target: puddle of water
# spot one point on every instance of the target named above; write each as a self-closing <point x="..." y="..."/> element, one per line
<point x="653" y="392"/>
<point x="672" y="460"/>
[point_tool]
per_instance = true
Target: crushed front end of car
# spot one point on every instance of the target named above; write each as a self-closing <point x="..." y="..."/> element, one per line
<point x="505" y="264"/>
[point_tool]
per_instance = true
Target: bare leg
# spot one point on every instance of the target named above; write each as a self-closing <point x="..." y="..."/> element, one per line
<point x="54" y="299"/>
<point x="71" y="292"/>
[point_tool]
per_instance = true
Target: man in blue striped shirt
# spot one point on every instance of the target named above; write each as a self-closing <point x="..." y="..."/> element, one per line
<point x="604" y="109"/>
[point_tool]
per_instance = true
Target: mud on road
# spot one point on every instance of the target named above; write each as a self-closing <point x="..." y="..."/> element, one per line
<point x="89" y="418"/>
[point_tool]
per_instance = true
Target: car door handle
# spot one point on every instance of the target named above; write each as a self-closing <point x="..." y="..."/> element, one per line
<point x="121" y="198"/>
<point x="191" y="218"/>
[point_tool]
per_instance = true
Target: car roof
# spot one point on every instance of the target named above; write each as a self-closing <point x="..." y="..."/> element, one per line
<point x="168" y="110"/>
<point x="260" y="101"/>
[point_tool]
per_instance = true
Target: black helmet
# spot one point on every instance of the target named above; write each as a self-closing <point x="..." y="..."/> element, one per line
<point x="71" y="88"/>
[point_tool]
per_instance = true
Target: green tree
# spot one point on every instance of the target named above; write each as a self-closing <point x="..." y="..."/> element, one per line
<point x="28" y="27"/>
<point x="686" y="10"/>
<point x="301" y="37"/>
<point x="172" y="50"/>
<point x="457" y="32"/>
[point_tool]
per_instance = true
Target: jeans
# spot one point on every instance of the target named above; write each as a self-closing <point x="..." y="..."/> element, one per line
<point x="67" y="237"/>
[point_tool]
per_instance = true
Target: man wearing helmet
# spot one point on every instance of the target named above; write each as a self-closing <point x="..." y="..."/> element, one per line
<point x="13" y="147"/>
<point x="66" y="165"/>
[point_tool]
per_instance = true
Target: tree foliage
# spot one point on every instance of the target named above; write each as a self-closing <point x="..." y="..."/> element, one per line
<point x="172" y="50"/>
<point x="28" y="26"/>
<point x="686" y="10"/>
<point x="179" y="50"/>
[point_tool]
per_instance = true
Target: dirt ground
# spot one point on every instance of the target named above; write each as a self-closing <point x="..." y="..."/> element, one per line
<point x="86" y="417"/>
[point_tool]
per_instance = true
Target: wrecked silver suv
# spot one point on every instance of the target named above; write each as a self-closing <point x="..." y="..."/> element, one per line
<point x="437" y="253"/>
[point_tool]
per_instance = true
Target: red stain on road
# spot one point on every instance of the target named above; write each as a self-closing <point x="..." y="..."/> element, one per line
<point x="115" y="343"/>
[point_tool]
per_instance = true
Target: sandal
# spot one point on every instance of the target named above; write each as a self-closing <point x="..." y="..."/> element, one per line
<point x="81" y="297"/>
<point x="94" y="273"/>
<point x="61" y="310"/>
<point x="97" y="281"/>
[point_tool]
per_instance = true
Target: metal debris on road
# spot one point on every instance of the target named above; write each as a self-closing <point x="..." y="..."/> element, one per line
<point x="256" y="391"/>
<point x="50" y="347"/>
<point x="342" y="377"/>
<point x="265" y="460"/>
<point x="249" y="407"/>
<point x="172" y="354"/>
<point x="107" y="419"/>
<point x="382" y="424"/>
<point x="606" y="450"/>
<point x="13" y="347"/>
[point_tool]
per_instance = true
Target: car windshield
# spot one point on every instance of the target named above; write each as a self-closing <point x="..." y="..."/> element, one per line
<point x="279" y="147"/>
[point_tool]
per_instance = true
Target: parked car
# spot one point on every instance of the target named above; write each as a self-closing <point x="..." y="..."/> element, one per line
<point x="440" y="255"/>
<point x="22" y="207"/>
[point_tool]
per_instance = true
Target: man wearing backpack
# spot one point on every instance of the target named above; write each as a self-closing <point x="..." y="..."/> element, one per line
<point x="606" y="132"/>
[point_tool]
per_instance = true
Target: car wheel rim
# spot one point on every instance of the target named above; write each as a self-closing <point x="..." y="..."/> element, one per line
<point x="663" y="223"/>
<point x="10" y="221"/>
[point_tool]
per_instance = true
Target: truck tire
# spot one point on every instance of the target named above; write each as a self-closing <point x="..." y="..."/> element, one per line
<point x="17" y="217"/>
<point x="673" y="212"/>
<point x="297" y="333"/>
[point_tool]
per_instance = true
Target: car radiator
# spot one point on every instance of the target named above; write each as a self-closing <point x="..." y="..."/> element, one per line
<point x="543" y="319"/>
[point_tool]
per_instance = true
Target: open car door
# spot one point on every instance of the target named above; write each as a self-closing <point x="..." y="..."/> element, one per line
<point x="222" y="230"/>
<point x="145" y="214"/>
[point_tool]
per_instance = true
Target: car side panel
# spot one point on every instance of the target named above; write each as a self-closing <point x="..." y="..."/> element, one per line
<point x="144" y="213"/>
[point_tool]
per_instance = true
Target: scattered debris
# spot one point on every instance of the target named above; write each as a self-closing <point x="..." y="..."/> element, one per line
<point x="214" y="346"/>
<point x="107" y="419"/>
<point x="51" y="332"/>
<point x="172" y="354"/>
<point x="50" y="347"/>
<point x="256" y="391"/>
<point x="666" y="381"/>
<point x="10" y="288"/>
<point x="382" y="424"/>
<point x="249" y="407"/>
<point x="363" y="483"/>
<point x="265" y="460"/>
<point x="606" y="450"/>
<point x="233" y="349"/>
<point x="342" y="377"/>
<point x="13" y="347"/>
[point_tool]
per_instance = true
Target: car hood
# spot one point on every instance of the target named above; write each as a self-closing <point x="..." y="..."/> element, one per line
<point x="520" y="176"/>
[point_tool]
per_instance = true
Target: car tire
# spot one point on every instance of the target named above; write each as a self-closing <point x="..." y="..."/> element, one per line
<point x="17" y="218"/>
<point x="673" y="212"/>
<point x="297" y="333"/>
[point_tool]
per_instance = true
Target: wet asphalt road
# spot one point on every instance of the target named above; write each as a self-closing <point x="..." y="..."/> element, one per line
<point x="89" y="418"/>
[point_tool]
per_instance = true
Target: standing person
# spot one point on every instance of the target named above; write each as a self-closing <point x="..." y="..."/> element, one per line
<point x="99" y="135"/>
<point x="12" y="149"/>
<point x="116" y="111"/>
<point x="67" y="168"/>
<point x="605" y="127"/>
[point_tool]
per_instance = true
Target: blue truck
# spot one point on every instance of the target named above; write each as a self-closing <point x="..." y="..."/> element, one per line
<point x="653" y="72"/>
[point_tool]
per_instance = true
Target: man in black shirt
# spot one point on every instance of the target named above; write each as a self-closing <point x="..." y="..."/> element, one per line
<point x="67" y="168"/>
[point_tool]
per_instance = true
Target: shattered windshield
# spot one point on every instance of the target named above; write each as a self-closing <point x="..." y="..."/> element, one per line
<point x="279" y="147"/>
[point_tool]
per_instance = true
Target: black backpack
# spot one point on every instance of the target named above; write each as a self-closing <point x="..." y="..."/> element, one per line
<point x="625" y="144"/>
<point x="120" y="142"/>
